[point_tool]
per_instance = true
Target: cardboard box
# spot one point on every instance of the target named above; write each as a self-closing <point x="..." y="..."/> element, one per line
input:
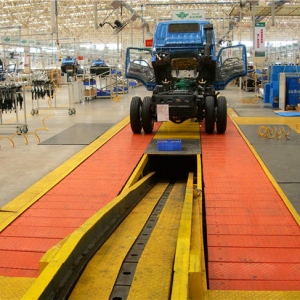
<point x="90" y="92"/>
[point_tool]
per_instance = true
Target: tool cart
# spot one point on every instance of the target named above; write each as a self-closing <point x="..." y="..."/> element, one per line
<point x="12" y="100"/>
<point x="42" y="88"/>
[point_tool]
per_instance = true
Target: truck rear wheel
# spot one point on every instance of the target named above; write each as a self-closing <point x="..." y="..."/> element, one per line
<point x="147" y="119"/>
<point x="210" y="117"/>
<point x="136" y="114"/>
<point x="221" y="114"/>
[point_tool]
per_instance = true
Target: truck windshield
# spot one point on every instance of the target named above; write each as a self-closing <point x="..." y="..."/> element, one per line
<point x="182" y="27"/>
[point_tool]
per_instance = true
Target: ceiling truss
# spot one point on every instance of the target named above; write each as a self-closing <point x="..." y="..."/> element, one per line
<point x="78" y="21"/>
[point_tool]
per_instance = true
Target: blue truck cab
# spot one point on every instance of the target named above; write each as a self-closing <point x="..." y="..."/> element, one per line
<point x="185" y="75"/>
<point x="100" y="67"/>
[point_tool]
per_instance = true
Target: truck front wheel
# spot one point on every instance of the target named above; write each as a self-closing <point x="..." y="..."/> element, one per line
<point x="136" y="115"/>
<point x="221" y="114"/>
<point x="147" y="119"/>
<point x="210" y="117"/>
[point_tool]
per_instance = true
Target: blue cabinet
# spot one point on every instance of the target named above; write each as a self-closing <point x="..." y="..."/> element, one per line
<point x="293" y="90"/>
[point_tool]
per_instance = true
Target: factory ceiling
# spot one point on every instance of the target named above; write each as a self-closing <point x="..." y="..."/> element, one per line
<point x="131" y="22"/>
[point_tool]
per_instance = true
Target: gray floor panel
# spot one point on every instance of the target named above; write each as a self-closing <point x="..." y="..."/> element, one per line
<point x="78" y="134"/>
<point x="281" y="156"/>
<point x="292" y="191"/>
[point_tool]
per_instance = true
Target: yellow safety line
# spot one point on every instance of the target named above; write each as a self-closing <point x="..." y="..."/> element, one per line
<point x="271" y="178"/>
<point x="197" y="273"/>
<point x="97" y="276"/>
<point x="154" y="271"/>
<point x="137" y="173"/>
<point x="180" y="286"/>
<point x="292" y="122"/>
<point x="182" y="266"/>
<point x="197" y="269"/>
<point x="189" y="267"/>
<point x="17" y="206"/>
<point x="14" y="288"/>
<point x="62" y="257"/>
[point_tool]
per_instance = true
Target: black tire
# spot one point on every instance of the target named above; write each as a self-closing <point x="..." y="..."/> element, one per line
<point x="136" y="114"/>
<point x="210" y="117"/>
<point x="147" y="119"/>
<point x="221" y="114"/>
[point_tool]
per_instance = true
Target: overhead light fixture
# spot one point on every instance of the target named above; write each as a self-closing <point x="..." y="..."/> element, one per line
<point x="117" y="24"/>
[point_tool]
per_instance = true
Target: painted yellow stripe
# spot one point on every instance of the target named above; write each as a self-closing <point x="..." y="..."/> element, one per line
<point x="17" y="206"/>
<point x="197" y="268"/>
<point x="137" y="173"/>
<point x="292" y="122"/>
<point x="271" y="178"/>
<point x="189" y="266"/>
<point x="14" y="288"/>
<point x="153" y="274"/>
<point x="101" y="272"/>
<point x="180" y="288"/>
<point x="197" y="274"/>
<point x="51" y="253"/>
<point x="63" y="258"/>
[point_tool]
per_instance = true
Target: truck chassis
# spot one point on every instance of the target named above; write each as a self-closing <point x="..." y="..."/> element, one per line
<point x="184" y="78"/>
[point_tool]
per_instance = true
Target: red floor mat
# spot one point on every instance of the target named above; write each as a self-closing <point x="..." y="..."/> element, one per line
<point x="253" y="240"/>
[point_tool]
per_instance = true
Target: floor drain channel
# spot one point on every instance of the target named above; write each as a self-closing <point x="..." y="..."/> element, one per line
<point x="126" y="273"/>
